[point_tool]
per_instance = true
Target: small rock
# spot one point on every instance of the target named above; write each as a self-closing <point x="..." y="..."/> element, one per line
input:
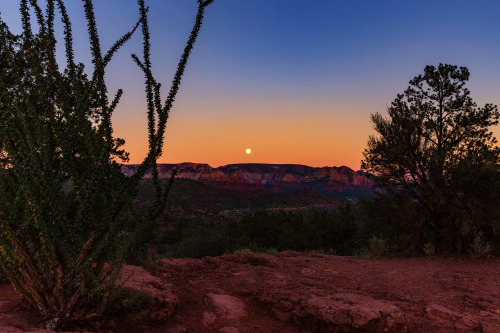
<point x="251" y="280"/>
<point x="281" y="310"/>
<point x="228" y="330"/>
<point x="284" y="306"/>
<point x="228" y="306"/>
<point x="307" y="271"/>
<point x="178" y="329"/>
<point x="467" y="323"/>
<point x="349" y="313"/>
<point x="283" y="316"/>
<point x="266" y="299"/>
<point x="439" y="311"/>
<point x="489" y="307"/>
<point x="208" y="318"/>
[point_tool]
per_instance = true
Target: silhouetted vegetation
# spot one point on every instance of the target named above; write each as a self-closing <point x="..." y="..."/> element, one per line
<point x="130" y="305"/>
<point x="334" y="233"/>
<point x="436" y="165"/>
<point x="67" y="219"/>
<point x="3" y="276"/>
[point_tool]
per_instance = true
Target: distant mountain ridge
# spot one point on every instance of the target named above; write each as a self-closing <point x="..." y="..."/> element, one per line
<point x="280" y="178"/>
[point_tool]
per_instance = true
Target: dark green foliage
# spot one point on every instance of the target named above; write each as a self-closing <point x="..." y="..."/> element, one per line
<point x="436" y="164"/>
<point x="204" y="239"/>
<point x="3" y="276"/>
<point x="292" y="231"/>
<point x="127" y="300"/>
<point x="67" y="219"/>
<point x="282" y="230"/>
<point x="131" y="307"/>
<point x="397" y="218"/>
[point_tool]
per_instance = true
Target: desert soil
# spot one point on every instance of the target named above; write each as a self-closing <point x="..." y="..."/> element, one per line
<point x="304" y="292"/>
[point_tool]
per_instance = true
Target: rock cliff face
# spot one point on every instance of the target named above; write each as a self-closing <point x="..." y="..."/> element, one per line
<point x="281" y="178"/>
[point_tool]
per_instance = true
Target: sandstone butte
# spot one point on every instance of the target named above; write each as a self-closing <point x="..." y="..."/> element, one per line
<point x="275" y="177"/>
<point x="301" y="292"/>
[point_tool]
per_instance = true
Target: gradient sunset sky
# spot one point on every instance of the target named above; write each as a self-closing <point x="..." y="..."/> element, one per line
<point x="294" y="80"/>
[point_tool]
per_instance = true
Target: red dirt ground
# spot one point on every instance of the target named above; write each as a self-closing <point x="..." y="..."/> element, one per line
<point x="308" y="292"/>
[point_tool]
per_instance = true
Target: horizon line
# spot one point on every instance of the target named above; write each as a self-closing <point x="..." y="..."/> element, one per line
<point x="249" y="163"/>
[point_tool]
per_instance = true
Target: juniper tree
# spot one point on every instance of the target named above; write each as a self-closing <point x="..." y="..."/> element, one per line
<point x="67" y="219"/>
<point x="437" y="162"/>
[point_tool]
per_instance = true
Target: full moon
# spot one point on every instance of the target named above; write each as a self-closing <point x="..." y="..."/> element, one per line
<point x="248" y="151"/>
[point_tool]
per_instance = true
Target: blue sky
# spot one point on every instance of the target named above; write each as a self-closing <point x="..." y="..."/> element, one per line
<point x="295" y="80"/>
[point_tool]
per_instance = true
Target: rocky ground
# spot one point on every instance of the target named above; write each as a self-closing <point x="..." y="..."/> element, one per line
<point x="304" y="292"/>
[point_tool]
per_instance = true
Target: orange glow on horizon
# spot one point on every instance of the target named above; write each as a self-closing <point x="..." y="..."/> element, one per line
<point x="278" y="135"/>
<point x="304" y="131"/>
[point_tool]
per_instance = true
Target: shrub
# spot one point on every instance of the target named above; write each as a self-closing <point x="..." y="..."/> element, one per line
<point x="436" y="158"/>
<point x="429" y="249"/>
<point x="397" y="219"/>
<point x="3" y="276"/>
<point x="378" y="246"/>
<point x="293" y="231"/>
<point x="271" y="231"/>
<point x="66" y="216"/>
<point x="127" y="300"/>
<point x="479" y="248"/>
<point x="204" y="239"/>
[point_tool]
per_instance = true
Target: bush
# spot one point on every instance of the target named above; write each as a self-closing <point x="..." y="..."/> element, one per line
<point x="262" y="230"/>
<point x="130" y="306"/>
<point x="378" y="246"/>
<point x="316" y="230"/>
<point x="127" y="300"/>
<point x="436" y="164"/>
<point x="3" y="276"/>
<point x="204" y="239"/>
<point x="479" y="248"/>
<point x="407" y="224"/>
<point x="67" y="219"/>
<point x="397" y="219"/>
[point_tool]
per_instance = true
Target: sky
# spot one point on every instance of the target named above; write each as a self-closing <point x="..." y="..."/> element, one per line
<point x="293" y="80"/>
